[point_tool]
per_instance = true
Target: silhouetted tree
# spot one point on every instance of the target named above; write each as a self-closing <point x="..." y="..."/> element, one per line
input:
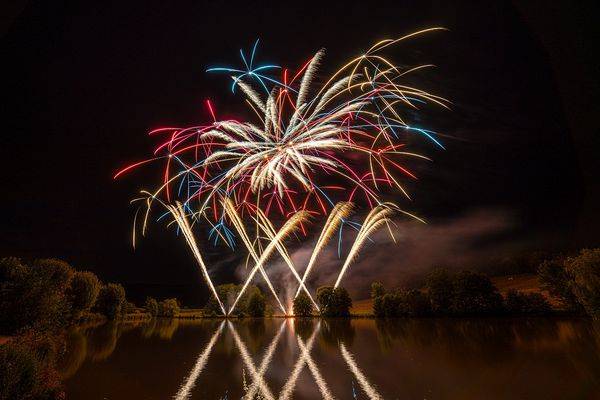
<point x="474" y="293"/>
<point x="334" y="302"/>
<point x="151" y="306"/>
<point x="526" y="303"/>
<point x="555" y="278"/>
<point x="303" y="307"/>
<point x="440" y="290"/>
<point x="325" y="300"/>
<point x="33" y="296"/>
<point x="168" y="308"/>
<point x="377" y="293"/>
<point x="377" y="290"/>
<point x="83" y="292"/>
<point x="584" y="270"/>
<point x="227" y="293"/>
<point x="111" y="300"/>
<point x="390" y="305"/>
<point x="256" y="304"/>
<point x="414" y="303"/>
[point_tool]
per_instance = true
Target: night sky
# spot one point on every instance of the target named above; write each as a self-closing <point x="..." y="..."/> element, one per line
<point x="84" y="81"/>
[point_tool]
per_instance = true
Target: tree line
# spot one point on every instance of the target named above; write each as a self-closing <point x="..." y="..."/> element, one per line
<point x="50" y="294"/>
<point x="574" y="281"/>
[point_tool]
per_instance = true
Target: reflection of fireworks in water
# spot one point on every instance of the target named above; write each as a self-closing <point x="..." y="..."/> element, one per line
<point x="304" y="153"/>
<point x="305" y="358"/>
<point x="259" y="387"/>
<point x="360" y="377"/>
<point x="190" y="382"/>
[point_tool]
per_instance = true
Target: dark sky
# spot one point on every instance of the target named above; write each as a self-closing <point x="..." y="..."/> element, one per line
<point x="84" y="82"/>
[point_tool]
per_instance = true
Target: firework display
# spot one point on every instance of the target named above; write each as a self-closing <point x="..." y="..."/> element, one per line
<point x="313" y="147"/>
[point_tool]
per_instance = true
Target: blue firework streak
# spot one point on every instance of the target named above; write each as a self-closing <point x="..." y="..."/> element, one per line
<point x="256" y="72"/>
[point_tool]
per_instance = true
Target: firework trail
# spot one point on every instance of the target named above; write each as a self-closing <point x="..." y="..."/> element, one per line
<point x="238" y="224"/>
<point x="269" y="230"/>
<point x="377" y="217"/>
<point x="182" y="222"/>
<point x="288" y="227"/>
<point x="340" y="211"/>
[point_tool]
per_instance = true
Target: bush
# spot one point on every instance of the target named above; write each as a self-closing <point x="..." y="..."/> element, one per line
<point x="526" y="303"/>
<point x="414" y="303"/>
<point x="377" y="290"/>
<point x="325" y="300"/>
<point x="584" y="271"/>
<point x="252" y="302"/>
<point x="28" y="368"/>
<point x="378" y="309"/>
<point x="334" y="302"/>
<point x="440" y="290"/>
<point x="57" y="272"/>
<point x="377" y="293"/>
<point x="19" y="372"/>
<point x="168" y="308"/>
<point x="83" y="292"/>
<point x="33" y="296"/>
<point x="390" y="305"/>
<point x="227" y="294"/>
<point x="474" y="293"/>
<point x="303" y="307"/>
<point x="151" y="306"/>
<point x="256" y="304"/>
<point x="111" y="300"/>
<point x="555" y="278"/>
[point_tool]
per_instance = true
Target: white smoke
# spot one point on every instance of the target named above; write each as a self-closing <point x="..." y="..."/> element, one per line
<point x="453" y="243"/>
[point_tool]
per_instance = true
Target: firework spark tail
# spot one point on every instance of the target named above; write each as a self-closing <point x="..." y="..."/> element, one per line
<point x="270" y="232"/>
<point x="340" y="211"/>
<point x="377" y="217"/>
<point x="290" y="226"/>
<point x="238" y="224"/>
<point x="180" y="218"/>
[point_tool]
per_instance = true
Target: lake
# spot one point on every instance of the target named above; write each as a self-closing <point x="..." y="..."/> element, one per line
<point x="536" y="358"/>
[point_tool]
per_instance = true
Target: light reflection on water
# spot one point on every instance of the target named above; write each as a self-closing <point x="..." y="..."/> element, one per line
<point x="310" y="359"/>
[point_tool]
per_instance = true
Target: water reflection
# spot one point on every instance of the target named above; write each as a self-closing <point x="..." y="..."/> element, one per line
<point x="312" y="358"/>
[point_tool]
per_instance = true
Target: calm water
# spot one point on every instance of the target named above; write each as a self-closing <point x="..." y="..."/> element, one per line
<point x="343" y="359"/>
